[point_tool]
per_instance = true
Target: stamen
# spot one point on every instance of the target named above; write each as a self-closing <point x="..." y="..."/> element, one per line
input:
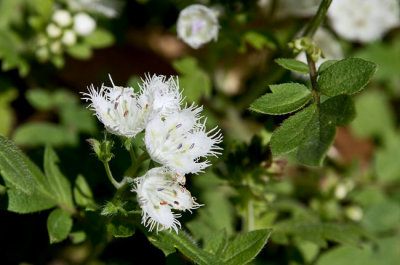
<point x="163" y="203"/>
<point x="125" y="113"/>
<point x="179" y="146"/>
<point x="179" y="125"/>
<point x="166" y="138"/>
<point x="116" y="105"/>
<point x="191" y="131"/>
<point x="191" y="146"/>
<point x="138" y="105"/>
<point x="147" y="105"/>
<point x="176" y="202"/>
<point x="132" y="96"/>
<point x="118" y="97"/>
<point x="160" y="189"/>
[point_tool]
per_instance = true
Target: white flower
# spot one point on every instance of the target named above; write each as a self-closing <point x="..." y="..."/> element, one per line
<point x="329" y="45"/>
<point x="363" y="20"/>
<point x="53" y="31"/>
<point x="84" y="24"/>
<point x="161" y="96"/>
<point x="158" y="192"/>
<point x="62" y="17"/>
<point x="179" y="140"/>
<point x="69" y="37"/>
<point x="56" y="47"/>
<point x="118" y="109"/>
<point x="197" y="25"/>
<point x="105" y="7"/>
<point x="124" y="112"/>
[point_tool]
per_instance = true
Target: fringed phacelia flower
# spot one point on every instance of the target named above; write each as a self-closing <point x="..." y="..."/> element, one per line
<point x="197" y="24"/>
<point x="159" y="192"/>
<point x="161" y="96"/>
<point x="125" y="112"/>
<point x="180" y="140"/>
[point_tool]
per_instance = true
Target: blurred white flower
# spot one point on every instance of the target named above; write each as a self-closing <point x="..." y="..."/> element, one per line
<point x="363" y="20"/>
<point x="179" y="140"/>
<point x="117" y="108"/>
<point x="104" y="7"/>
<point x="158" y="194"/>
<point x="161" y="96"/>
<point x="53" y="31"/>
<point x="62" y="17"/>
<point x="69" y="37"/>
<point x="197" y="24"/>
<point x="84" y="24"/>
<point x="328" y="44"/>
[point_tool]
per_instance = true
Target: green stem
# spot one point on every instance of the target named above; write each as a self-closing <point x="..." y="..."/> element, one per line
<point x="136" y="164"/>
<point x="115" y="183"/>
<point x="250" y="215"/>
<point x="132" y="154"/>
<point x="313" y="77"/>
<point x="317" y="19"/>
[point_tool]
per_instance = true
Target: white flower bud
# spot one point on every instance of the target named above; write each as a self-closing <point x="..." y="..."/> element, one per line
<point x="84" y="24"/>
<point x="197" y="25"/>
<point x="340" y="191"/>
<point x="56" y="47"/>
<point x="53" y="31"/>
<point x="42" y="54"/>
<point x="354" y="213"/>
<point x="69" y="37"/>
<point x="62" y="17"/>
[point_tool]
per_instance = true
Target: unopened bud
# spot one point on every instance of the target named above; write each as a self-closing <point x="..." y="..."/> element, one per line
<point x="103" y="149"/>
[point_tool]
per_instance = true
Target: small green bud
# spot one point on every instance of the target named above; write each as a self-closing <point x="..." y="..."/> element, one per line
<point x="103" y="149"/>
<point x="114" y="208"/>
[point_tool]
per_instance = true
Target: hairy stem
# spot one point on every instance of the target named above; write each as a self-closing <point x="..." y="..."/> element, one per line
<point x="115" y="183"/>
<point x="313" y="77"/>
<point x="317" y="19"/>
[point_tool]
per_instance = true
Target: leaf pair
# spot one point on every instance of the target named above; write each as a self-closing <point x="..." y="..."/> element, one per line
<point x="240" y="250"/>
<point x="310" y="132"/>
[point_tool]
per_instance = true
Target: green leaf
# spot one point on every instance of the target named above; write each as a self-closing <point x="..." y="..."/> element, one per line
<point x="245" y="247"/>
<point x="293" y="65"/>
<point x="121" y="228"/>
<point x="78" y="119"/>
<point x="325" y="65"/>
<point x="41" y="197"/>
<point x="289" y="135"/>
<point x="347" y="76"/>
<point x="257" y="40"/>
<point x="185" y="245"/>
<point x="13" y="168"/>
<point x="100" y="38"/>
<point x="194" y="81"/>
<point x="385" y="253"/>
<point x="59" y="224"/>
<point x="382" y="217"/>
<point x="39" y="98"/>
<point x="319" y="135"/>
<point x="8" y="93"/>
<point x="374" y="118"/>
<point x="216" y="243"/>
<point x="80" y="51"/>
<point x="41" y="133"/>
<point x="339" y="110"/>
<point x="318" y="233"/>
<point x="82" y="192"/>
<point x="57" y="180"/>
<point x="77" y="237"/>
<point x="285" y="98"/>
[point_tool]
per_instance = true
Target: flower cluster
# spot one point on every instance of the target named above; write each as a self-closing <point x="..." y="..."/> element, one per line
<point x="197" y="24"/>
<point x="363" y="20"/>
<point x="175" y="137"/>
<point x="63" y="31"/>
